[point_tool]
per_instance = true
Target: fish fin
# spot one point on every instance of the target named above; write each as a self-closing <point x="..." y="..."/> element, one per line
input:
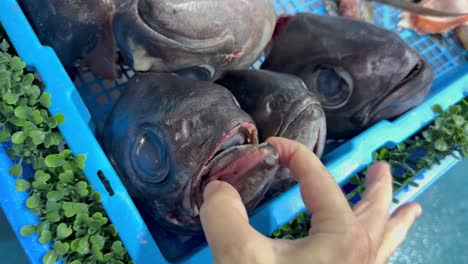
<point x="418" y="9"/>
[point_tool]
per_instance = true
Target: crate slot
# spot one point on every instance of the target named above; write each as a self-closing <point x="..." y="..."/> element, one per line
<point x="105" y="182"/>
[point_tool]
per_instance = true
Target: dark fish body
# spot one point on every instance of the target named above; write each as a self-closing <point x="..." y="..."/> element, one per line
<point x="191" y="35"/>
<point x="75" y="29"/>
<point x="361" y="73"/>
<point x="281" y="106"/>
<point x="168" y="136"/>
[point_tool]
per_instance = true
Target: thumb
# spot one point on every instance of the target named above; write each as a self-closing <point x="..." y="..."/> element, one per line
<point x="225" y="220"/>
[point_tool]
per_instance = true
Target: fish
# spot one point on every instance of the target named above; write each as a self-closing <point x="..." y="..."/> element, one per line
<point x="360" y="72"/>
<point x="363" y="9"/>
<point x="281" y="106"/>
<point x="192" y="38"/>
<point x="79" y="31"/>
<point x="168" y="136"/>
<point x="432" y="25"/>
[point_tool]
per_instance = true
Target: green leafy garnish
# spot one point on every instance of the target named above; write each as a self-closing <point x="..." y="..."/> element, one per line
<point x="446" y="135"/>
<point x="50" y="257"/>
<point x="22" y="185"/>
<point x="59" y="193"/>
<point x="27" y="230"/>
<point x="16" y="170"/>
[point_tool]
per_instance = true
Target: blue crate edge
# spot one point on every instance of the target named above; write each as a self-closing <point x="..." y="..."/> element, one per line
<point x="425" y="179"/>
<point x="141" y="246"/>
<point x="65" y="100"/>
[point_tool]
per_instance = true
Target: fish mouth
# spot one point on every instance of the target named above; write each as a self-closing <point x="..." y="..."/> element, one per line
<point x="309" y="116"/>
<point x="240" y="161"/>
<point x="414" y="73"/>
<point x="408" y="92"/>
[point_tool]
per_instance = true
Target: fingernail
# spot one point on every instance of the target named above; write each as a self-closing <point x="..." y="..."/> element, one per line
<point x="211" y="188"/>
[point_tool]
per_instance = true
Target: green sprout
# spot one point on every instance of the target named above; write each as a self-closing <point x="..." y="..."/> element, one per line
<point x="446" y="136"/>
<point x="71" y="216"/>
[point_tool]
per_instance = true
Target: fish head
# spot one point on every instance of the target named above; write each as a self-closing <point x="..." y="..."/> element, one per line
<point x="169" y="136"/>
<point x="193" y="37"/>
<point x="360" y="72"/>
<point x="280" y="105"/>
<point x="78" y="31"/>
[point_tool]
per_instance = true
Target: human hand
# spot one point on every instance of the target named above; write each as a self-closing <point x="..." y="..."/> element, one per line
<point x="338" y="234"/>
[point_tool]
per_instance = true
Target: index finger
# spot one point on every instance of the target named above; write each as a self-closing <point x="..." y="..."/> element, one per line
<point x="321" y="194"/>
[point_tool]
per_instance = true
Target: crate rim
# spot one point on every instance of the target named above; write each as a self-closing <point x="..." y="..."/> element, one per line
<point x="61" y="85"/>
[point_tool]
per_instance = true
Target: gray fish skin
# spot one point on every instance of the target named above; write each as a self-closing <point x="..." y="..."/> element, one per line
<point x="360" y="72"/>
<point x="168" y="136"/>
<point x="214" y="35"/>
<point x="75" y="29"/>
<point x="281" y="106"/>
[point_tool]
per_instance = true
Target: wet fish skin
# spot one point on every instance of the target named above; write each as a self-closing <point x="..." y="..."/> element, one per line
<point x="281" y="106"/>
<point x="360" y="72"/>
<point x="75" y="29"/>
<point x="167" y="136"/>
<point x="171" y="36"/>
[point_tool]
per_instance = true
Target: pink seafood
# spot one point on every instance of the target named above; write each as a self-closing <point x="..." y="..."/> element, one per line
<point x="432" y="25"/>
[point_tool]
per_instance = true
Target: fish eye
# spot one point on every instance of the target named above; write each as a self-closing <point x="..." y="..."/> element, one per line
<point x="202" y="72"/>
<point x="149" y="157"/>
<point x="333" y="86"/>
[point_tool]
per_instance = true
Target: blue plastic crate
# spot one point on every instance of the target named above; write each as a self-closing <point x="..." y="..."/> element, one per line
<point x="71" y="98"/>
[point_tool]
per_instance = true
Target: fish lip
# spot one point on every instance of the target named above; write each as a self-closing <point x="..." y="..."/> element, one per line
<point x="246" y="127"/>
<point x="250" y="149"/>
<point x="299" y="107"/>
<point x="249" y="130"/>
<point x="416" y="72"/>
